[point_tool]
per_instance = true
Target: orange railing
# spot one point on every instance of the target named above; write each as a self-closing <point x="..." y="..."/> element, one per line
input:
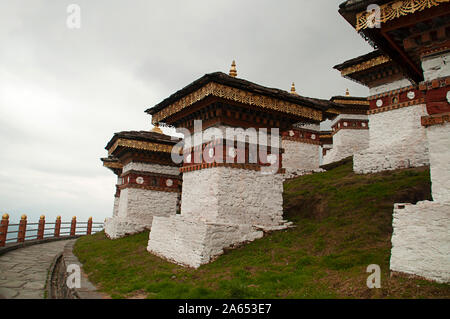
<point x="59" y="229"/>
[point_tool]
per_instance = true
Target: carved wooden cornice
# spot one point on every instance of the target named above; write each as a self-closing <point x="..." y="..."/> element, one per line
<point x="141" y="145"/>
<point x="301" y="140"/>
<point x="151" y="188"/>
<point x="366" y="65"/>
<point x="435" y="119"/>
<point x="237" y="95"/>
<point x="396" y="106"/>
<point x="351" y="102"/>
<point x="116" y="165"/>
<point x="394" y="10"/>
<point x="252" y="167"/>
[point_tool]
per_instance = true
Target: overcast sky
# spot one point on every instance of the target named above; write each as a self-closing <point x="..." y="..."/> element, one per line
<point x="64" y="92"/>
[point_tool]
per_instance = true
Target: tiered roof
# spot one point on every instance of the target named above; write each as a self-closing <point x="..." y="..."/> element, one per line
<point x="221" y="85"/>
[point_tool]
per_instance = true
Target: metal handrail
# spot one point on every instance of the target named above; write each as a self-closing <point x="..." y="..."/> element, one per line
<point x="23" y="232"/>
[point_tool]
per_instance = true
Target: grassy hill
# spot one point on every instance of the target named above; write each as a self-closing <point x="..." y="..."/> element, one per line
<point x="343" y="224"/>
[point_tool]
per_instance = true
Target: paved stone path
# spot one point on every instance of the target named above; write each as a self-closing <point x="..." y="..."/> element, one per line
<point x="23" y="272"/>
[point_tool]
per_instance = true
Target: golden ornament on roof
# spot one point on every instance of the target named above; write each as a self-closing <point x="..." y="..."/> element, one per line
<point x="293" y="89"/>
<point x="156" y="129"/>
<point x="233" y="71"/>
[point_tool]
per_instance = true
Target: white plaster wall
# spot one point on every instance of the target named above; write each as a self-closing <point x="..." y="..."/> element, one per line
<point x="231" y="195"/>
<point x="325" y="125"/>
<point x="299" y="157"/>
<point x="346" y="142"/>
<point x="250" y="197"/>
<point x="439" y="148"/>
<point x="328" y="148"/>
<point x="135" y="209"/>
<point x="123" y="204"/>
<point x="154" y="168"/>
<point x="140" y="205"/>
<point x="190" y="242"/>
<point x="118" y="227"/>
<point x="221" y="207"/>
<point x="396" y="140"/>
<point x="421" y="240"/>
<point x="116" y="206"/>
<point x="436" y="66"/>
<point x="200" y="193"/>
<point x="395" y="85"/>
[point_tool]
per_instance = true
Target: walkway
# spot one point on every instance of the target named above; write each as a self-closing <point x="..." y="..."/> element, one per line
<point x="23" y="272"/>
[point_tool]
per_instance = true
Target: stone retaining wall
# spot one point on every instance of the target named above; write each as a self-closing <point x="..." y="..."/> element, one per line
<point x="421" y="240"/>
<point x="56" y="287"/>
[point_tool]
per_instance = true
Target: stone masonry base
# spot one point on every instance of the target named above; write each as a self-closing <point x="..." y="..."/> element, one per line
<point x="421" y="240"/>
<point x="192" y="242"/>
<point x="117" y="227"/>
<point x="397" y="140"/>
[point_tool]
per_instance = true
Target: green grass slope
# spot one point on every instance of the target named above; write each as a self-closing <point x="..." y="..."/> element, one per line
<point x="343" y="224"/>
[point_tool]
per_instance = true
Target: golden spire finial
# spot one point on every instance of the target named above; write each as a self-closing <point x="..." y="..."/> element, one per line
<point x="233" y="71"/>
<point x="293" y="89"/>
<point x="156" y="129"/>
<point x="347" y="92"/>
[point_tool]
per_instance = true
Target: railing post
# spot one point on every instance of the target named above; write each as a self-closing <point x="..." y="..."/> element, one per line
<point x="73" y="226"/>
<point x="57" y="226"/>
<point x="4" y="229"/>
<point x="41" y="226"/>
<point x="22" y="229"/>
<point x="89" y="226"/>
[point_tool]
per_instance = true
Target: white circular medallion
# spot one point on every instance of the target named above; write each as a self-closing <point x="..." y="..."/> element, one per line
<point x="448" y="96"/>
<point x="232" y="152"/>
<point x="411" y="95"/>
<point x="363" y="124"/>
<point x="211" y="152"/>
<point x="345" y="124"/>
<point x="169" y="182"/>
<point x="291" y="133"/>
<point x="379" y="103"/>
<point x="313" y="136"/>
<point x="188" y="158"/>
<point x="140" y="180"/>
